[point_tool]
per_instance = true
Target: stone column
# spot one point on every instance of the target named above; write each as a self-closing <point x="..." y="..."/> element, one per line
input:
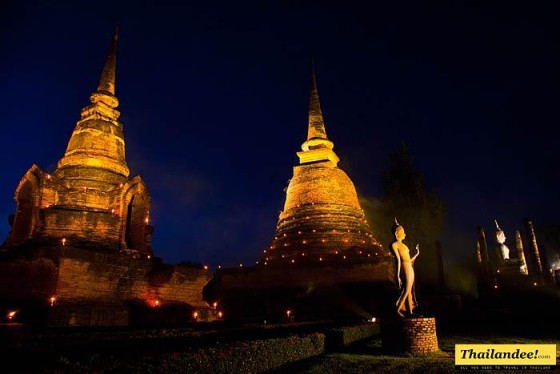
<point x="533" y="247"/>
<point x="484" y="251"/>
<point x="521" y="253"/>
<point x="441" y="275"/>
<point x="478" y="256"/>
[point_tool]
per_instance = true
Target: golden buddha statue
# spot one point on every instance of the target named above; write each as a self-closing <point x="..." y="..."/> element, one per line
<point x="407" y="300"/>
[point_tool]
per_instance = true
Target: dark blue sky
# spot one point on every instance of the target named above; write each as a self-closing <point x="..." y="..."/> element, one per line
<point x="214" y="105"/>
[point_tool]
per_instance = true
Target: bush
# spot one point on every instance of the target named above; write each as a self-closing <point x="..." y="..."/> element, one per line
<point x="249" y="356"/>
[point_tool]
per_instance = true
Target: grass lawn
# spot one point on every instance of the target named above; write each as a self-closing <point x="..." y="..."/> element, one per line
<point x="367" y="357"/>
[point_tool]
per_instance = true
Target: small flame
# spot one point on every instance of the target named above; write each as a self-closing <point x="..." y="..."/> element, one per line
<point x="11" y="314"/>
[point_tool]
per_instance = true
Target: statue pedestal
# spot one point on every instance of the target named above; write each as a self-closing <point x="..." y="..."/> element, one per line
<point x="409" y="335"/>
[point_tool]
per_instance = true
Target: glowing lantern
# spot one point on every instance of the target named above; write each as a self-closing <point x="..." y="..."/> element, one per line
<point x="11" y="314"/>
<point x="215" y="304"/>
<point x="205" y="267"/>
<point x="52" y="300"/>
<point x="195" y="315"/>
<point x="288" y="313"/>
<point x="220" y="314"/>
<point x="63" y="241"/>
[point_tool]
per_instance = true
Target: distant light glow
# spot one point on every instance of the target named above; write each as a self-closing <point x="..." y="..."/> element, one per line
<point x="11" y="314"/>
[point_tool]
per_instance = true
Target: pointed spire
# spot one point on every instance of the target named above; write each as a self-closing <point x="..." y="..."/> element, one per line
<point x="104" y="147"/>
<point x="316" y="123"/>
<point x="107" y="81"/>
<point x="317" y="147"/>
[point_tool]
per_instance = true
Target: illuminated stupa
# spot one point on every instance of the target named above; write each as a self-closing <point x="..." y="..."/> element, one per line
<point x="324" y="262"/>
<point x="322" y="218"/>
<point x="89" y="200"/>
<point x="79" y="250"/>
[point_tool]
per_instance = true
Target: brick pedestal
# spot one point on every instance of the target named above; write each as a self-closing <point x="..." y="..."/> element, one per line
<point x="409" y="335"/>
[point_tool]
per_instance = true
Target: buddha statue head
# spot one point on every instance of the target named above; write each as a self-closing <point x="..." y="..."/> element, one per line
<point x="398" y="231"/>
<point x="502" y="248"/>
<point x="500" y="234"/>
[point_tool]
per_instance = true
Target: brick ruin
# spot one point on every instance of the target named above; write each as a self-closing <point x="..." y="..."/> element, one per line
<point x="324" y="261"/>
<point x="80" y="239"/>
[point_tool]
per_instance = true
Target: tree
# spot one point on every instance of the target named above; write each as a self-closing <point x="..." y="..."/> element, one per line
<point x="418" y="209"/>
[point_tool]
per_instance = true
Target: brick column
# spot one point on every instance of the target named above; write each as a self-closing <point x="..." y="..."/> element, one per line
<point x="409" y="335"/>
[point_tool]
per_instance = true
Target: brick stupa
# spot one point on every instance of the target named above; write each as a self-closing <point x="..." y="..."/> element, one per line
<point x="89" y="200"/>
<point x="322" y="219"/>
<point x="324" y="261"/>
<point x="79" y="250"/>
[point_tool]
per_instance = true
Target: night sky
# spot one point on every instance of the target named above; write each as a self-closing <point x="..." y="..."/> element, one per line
<point x="214" y="103"/>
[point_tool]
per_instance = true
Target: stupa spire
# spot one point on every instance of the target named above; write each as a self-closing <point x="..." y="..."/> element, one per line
<point x="107" y="80"/>
<point x="98" y="139"/>
<point x="316" y="127"/>
<point x="317" y="147"/>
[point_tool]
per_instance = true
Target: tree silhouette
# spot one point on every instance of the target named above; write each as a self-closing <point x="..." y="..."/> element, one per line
<point x="418" y="209"/>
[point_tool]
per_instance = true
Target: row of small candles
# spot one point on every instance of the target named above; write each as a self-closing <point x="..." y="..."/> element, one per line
<point x="11" y="314"/>
<point x="293" y="261"/>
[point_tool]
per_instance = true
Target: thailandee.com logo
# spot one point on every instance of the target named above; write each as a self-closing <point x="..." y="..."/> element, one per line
<point x="505" y="356"/>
